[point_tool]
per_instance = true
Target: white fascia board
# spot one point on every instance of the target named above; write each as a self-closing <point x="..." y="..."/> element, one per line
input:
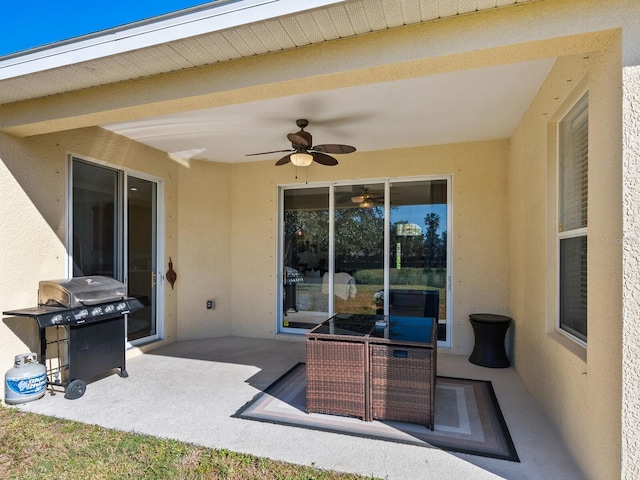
<point x="148" y="33"/>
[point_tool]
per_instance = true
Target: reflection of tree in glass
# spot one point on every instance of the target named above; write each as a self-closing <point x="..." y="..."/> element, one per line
<point x="359" y="232"/>
<point x="312" y="224"/>
<point x="359" y="235"/>
<point x="432" y="241"/>
<point x="308" y="222"/>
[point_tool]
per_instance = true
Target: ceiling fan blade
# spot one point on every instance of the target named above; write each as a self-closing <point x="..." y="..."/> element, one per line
<point x="266" y="153"/>
<point x="284" y="160"/>
<point x="323" y="159"/>
<point x="334" y="148"/>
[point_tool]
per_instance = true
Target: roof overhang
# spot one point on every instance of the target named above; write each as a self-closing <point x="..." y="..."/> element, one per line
<point x="205" y="19"/>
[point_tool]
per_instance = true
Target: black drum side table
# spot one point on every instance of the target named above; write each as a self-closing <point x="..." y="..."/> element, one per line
<point x="490" y="331"/>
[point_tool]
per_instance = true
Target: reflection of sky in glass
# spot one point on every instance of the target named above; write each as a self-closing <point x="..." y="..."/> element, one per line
<point x="416" y="213"/>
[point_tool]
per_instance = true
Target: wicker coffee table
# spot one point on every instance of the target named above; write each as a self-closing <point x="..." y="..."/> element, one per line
<point x="373" y="367"/>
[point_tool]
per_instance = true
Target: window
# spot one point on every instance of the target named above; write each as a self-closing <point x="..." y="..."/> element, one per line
<point x="573" y="135"/>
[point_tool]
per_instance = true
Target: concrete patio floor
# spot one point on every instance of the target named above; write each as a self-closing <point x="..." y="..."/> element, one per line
<point x="190" y="390"/>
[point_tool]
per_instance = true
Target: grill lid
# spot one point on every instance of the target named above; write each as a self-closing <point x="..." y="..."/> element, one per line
<point x="80" y="291"/>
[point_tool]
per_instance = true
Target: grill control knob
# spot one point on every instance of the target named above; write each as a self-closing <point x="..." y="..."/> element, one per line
<point x="109" y="309"/>
<point x="96" y="311"/>
<point x="121" y="306"/>
<point x="82" y="314"/>
<point x="57" y="319"/>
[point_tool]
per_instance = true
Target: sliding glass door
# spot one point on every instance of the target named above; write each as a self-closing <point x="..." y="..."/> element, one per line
<point x="114" y="232"/>
<point x="379" y="247"/>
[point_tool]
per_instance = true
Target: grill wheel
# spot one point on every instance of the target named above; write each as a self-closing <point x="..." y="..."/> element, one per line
<point x="75" y="389"/>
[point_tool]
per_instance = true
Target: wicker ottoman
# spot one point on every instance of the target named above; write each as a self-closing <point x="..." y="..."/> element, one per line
<point x="402" y="384"/>
<point x="336" y="378"/>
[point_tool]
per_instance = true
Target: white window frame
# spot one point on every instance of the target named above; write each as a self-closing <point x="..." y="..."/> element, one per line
<point x="577" y="110"/>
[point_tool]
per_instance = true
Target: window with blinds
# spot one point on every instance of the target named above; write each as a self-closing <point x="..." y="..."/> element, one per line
<point x="573" y="196"/>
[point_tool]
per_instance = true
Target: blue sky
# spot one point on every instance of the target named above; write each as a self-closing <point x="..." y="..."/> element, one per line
<point x="31" y="23"/>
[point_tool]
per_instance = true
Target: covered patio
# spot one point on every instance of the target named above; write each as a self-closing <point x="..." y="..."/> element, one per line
<point x="190" y="391"/>
<point x="467" y="93"/>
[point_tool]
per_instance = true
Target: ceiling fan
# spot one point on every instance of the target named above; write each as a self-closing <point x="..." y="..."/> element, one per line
<point x="303" y="152"/>
<point x="363" y="198"/>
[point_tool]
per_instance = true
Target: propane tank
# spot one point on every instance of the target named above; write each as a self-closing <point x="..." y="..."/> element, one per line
<point x="26" y="381"/>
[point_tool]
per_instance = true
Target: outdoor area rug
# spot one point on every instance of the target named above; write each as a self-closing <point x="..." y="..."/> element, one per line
<point x="467" y="417"/>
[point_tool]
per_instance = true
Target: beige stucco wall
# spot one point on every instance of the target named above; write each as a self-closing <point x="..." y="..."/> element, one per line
<point x="204" y="262"/>
<point x="480" y="270"/>
<point x="630" y="240"/>
<point x="32" y="198"/>
<point x="579" y="388"/>
<point x="228" y="234"/>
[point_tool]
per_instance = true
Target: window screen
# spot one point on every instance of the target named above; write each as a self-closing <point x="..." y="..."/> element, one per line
<point x="573" y="192"/>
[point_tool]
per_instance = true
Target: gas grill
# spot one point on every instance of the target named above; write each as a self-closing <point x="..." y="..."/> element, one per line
<point x="89" y="318"/>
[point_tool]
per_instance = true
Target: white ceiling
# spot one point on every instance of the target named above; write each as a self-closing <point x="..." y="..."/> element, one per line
<point x="456" y="107"/>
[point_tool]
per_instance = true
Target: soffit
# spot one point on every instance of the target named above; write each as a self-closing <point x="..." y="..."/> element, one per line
<point x="175" y="44"/>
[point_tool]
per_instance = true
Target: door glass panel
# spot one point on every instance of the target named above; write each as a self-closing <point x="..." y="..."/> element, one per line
<point x="359" y="248"/>
<point x="95" y="215"/>
<point x="101" y="243"/>
<point x="418" y="250"/>
<point x="141" y="264"/>
<point x="305" y="257"/>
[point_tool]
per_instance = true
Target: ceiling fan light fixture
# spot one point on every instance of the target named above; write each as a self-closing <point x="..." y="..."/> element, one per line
<point x="301" y="159"/>
<point x="357" y="198"/>
<point x="366" y="204"/>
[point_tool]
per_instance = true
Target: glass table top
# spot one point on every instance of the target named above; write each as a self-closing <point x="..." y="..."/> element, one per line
<point x="384" y="327"/>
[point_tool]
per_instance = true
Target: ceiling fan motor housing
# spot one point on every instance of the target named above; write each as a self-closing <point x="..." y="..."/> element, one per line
<point x="300" y="139"/>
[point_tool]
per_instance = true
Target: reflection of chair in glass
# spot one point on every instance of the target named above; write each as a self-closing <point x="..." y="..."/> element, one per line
<point x="414" y="303"/>
<point x="417" y="303"/>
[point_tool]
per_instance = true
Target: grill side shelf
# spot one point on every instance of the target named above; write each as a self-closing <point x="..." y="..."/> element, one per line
<point x="42" y="314"/>
<point x="48" y="316"/>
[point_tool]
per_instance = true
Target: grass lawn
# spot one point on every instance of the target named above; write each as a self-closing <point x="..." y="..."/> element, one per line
<point x="41" y="447"/>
